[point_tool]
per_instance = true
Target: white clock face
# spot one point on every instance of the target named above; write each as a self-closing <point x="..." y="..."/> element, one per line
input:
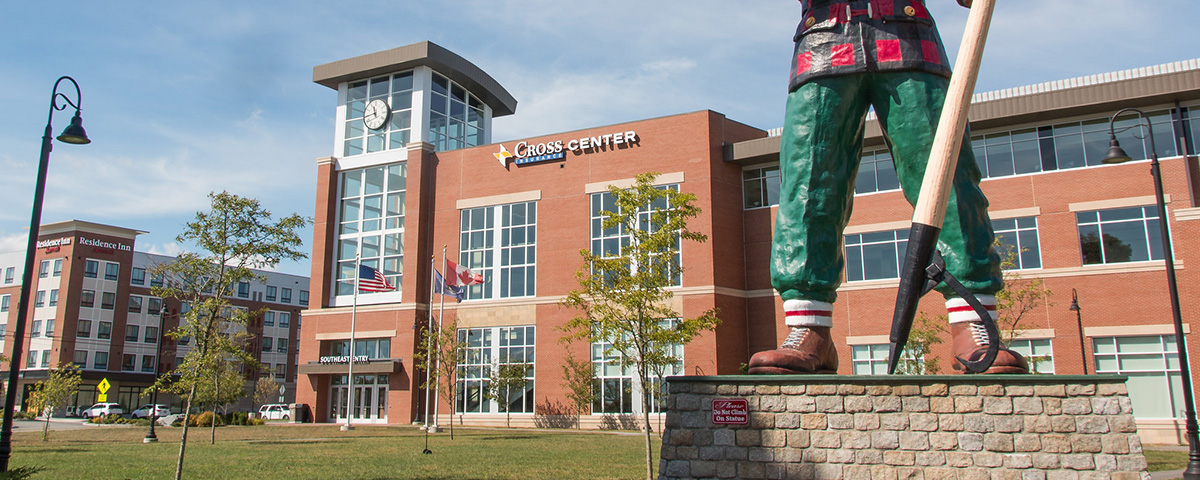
<point x="376" y="114"/>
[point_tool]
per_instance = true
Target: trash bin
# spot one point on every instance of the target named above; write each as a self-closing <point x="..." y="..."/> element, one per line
<point x="299" y="412"/>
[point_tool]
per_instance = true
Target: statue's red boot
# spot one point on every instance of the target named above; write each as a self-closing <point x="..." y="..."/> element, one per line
<point x="805" y="350"/>
<point x="970" y="341"/>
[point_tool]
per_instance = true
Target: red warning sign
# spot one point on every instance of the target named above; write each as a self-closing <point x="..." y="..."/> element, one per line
<point x="730" y="411"/>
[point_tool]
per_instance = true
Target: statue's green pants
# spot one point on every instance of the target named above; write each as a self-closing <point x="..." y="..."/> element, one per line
<point x="819" y="156"/>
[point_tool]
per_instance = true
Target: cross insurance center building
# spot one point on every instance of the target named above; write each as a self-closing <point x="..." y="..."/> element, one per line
<point x="415" y="168"/>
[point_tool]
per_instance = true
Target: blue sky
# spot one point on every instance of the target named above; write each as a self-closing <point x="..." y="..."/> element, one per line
<point x="182" y="99"/>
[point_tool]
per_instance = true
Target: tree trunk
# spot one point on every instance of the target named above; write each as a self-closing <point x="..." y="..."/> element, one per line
<point x="46" y="428"/>
<point x="646" y="428"/>
<point x="183" y="442"/>
<point x="212" y="440"/>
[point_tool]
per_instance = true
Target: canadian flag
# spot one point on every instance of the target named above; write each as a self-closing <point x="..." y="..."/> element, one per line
<point x="459" y="275"/>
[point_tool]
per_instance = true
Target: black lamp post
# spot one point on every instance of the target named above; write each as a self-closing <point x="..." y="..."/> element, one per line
<point x="1079" y="322"/>
<point x="1117" y="155"/>
<point x="72" y="134"/>
<point x="162" y="320"/>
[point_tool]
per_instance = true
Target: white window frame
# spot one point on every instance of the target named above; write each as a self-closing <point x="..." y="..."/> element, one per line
<point x="483" y="249"/>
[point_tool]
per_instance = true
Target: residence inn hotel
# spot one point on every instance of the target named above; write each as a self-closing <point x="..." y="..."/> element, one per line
<point x="415" y="167"/>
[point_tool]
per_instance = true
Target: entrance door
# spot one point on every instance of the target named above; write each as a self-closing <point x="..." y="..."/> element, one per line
<point x="369" y="403"/>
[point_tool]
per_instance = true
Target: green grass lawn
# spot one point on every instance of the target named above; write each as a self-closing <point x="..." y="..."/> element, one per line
<point x="1165" y="459"/>
<point x="312" y="452"/>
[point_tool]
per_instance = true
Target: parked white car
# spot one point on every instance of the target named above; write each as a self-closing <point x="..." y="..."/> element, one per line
<point x="274" y="411"/>
<point x="160" y="411"/>
<point x="102" y="409"/>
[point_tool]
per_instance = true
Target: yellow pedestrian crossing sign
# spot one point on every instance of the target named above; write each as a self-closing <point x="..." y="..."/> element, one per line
<point x="103" y="386"/>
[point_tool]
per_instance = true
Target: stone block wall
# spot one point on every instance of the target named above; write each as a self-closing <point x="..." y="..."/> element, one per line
<point x="1030" y="427"/>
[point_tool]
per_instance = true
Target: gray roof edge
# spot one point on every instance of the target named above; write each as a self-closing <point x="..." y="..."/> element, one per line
<point x="427" y="53"/>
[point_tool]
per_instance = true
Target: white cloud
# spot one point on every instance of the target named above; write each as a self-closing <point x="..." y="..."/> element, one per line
<point x="170" y="249"/>
<point x="14" y="242"/>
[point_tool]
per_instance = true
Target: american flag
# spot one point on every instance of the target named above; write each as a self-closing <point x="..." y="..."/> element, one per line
<point x="372" y="280"/>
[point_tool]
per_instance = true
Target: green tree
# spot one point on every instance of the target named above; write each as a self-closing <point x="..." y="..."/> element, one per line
<point x="580" y="378"/>
<point x="441" y="352"/>
<point x="623" y="295"/>
<point x="264" y="390"/>
<point x="917" y="358"/>
<point x="235" y="236"/>
<point x="506" y="382"/>
<point x="52" y="393"/>
<point x="1020" y="296"/>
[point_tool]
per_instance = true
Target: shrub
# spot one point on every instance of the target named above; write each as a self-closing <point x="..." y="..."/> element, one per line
<point x="237" y="418"/>
<point x="119" y="420"/>
<point x="25" y="415"/>
<point x="21" y="473"/>
<point x="204" y="419"/>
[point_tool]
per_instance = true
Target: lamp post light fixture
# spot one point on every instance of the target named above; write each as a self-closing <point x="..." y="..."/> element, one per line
<point x="73" y="134"/>
<point x="162" y="320"/>
<point x="1117" y="155"/>
<point x="1079" y="322"/>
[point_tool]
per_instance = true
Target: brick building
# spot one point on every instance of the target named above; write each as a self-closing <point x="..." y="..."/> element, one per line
<point x="92" y="306"/>
<point x="419" y="171"/>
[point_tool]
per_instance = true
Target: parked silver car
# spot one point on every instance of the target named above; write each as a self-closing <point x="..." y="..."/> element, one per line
<point x="102" y="409"/>
<point x="160" y="411"/>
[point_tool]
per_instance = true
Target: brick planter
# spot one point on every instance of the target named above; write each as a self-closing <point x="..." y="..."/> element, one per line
<point x="897" y="427"/>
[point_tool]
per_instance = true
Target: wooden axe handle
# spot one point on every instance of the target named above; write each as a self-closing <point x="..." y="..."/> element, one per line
<point x="935" y="188"/>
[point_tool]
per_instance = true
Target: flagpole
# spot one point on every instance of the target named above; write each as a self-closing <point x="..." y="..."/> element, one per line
<point x="437" y="381"/>
<point x="429" y="339"/>
<point x="350" y="369"/>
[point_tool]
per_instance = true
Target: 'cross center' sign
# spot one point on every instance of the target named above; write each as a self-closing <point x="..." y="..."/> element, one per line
<point x="730" y="411"/>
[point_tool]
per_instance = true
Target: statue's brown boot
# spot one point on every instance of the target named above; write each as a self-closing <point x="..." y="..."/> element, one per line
<point x="970" y="341"/>
<point x="805" y="350"/>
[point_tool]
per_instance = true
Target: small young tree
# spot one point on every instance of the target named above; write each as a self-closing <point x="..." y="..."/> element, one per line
<point x="579" y="376"/>
<point x="234" y="237"/>
<point x="53" y="392"/>
<point x="917" y="358"/>
<point x="506" y="382"/>
<point x="440" y="353"/>
<point x="264" y="390"/>
<point x="623" y="293"/>
<point x="1020" y="295"/>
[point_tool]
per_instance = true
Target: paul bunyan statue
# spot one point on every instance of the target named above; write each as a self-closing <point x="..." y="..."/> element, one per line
<point x="849" y="56"/>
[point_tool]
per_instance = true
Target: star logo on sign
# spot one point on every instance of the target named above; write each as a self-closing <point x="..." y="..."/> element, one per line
<point x="503" y="156"/>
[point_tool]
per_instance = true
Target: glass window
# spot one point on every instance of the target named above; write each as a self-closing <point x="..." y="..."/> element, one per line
<point x="40" y="299"/>
<point x="3" y="330"/>
<point x="53" y="298"/>
<point x="151" y="335"/>
<point x="371" y="224"/>
<point x="148" y="363"/>
<point x="876" y="173"/>
<point x="104" y="330"/>
<point x="83" y="329"/>
<point x="157" y="281"/>
<point x="304" y="298"/>
<point x="280" y="371"/>
<point x="108" y="300"/>
<point x="1037" y="351"/>
<point x="131" y="333"/>
<point x="875" y="255"/>
<point x="1120" y="235"/>
<point x="154" y="306"/>
<point x="267" y="344"/>
<point x="243" y="290"/>
<point x="31" y="361"/>
<point x="271" y="293"/>
<point x="284" y="319"/>
<point x="285" y="295"/>
<point x="269" y="319"/>
<point x="111" y="271"/>
<point x="100" y="362"/>
<point x="8" y="274"/>
<point x="1020" y="237"/>
<point x="81" y="358"/>
<point x="609" y="242"/>
<point x="137" y="276"/>
<point x="45" y="357"/>
<point x="760" y="187"/>
<point x="135" y="304"/>
<point x="488" y="348"/>
<point x="373" y="348"/>
<point x="617" y="389"/>
<point x="281" y="345"/>
<point x="35" y="329"/>
<point x="58" y="262"/>
<point x="4" y="299"/>
<point x="1152" y="365"/>
<point x="87" y="298"/>
<point x="455" y="116"/>
<point x="44" y="269"/>
<point x="128" y="362"/>
<point x="397" y="91"/>
<point x="50" y="327"/>
<point x="500" y="243"/>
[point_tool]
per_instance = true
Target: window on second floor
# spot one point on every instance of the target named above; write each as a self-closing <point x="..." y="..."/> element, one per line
<point x="875" y="255"/>
<point x="1120" y="235"/>
<point x="1018" y="238"/>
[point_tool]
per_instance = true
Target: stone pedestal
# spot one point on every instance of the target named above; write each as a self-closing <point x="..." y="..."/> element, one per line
<point x="898" y="427"/>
